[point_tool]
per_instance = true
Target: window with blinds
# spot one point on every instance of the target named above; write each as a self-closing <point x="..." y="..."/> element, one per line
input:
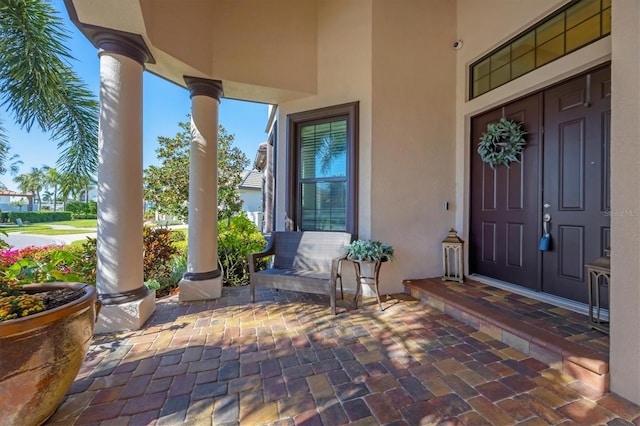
<point x="323" y="167"/>
<point x="323" y="176"/>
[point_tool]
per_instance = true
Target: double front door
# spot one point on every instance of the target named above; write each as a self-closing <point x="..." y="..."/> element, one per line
<point x="563" y="177"/>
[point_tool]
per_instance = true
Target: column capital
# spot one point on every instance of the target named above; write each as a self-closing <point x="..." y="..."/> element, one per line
<point x="129" y="45"/>
<point x="204" y="87"/>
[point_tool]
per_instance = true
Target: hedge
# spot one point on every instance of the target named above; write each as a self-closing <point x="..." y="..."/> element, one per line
<point x="39" y="217"/>
<point x="85" y="216"/>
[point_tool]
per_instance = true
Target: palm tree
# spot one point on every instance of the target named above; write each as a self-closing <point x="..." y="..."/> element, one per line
<point x="8" y="164"/>
<point x="88" y="183"/>
<point x="33" y="182"/>
<point x="38" y="86"/>
<point x="53" y="179"/>
<point x="70" y="186"/>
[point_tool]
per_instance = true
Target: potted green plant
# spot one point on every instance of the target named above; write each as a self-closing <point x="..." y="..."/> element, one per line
<point x="45" y="332"/>
<point x="367" y="257"/>
<point x="369" y="251"/>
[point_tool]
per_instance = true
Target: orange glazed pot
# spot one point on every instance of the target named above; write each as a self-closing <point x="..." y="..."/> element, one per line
<point x="41" y="354"/>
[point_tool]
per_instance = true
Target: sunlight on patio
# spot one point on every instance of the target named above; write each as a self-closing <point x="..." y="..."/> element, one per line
<point x="285" y="359"/>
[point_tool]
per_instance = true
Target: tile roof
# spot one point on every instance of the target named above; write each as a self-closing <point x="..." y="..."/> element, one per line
<point x="6" y="192"/>
<point x="252" y="180"/>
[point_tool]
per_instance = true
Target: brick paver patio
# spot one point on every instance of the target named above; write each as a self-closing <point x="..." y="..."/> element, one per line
<point x="285" y="360"/>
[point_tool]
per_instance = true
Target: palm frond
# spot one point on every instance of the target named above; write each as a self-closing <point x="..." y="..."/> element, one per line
<point x="38" y="85"/>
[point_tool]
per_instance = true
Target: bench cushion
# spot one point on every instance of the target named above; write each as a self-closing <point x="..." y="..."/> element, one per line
<point x="308" y="251"/>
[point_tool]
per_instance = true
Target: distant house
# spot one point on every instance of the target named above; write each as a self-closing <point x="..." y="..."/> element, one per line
<point x="250" y="191"/>
<point x="8" y="197"/>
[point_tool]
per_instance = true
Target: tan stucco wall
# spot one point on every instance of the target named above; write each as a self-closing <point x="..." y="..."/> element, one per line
<point x="413" y="138"/>
<point x="381" y="54"/>
<point x="344" y="75"/>
<point x="625" y="201"/>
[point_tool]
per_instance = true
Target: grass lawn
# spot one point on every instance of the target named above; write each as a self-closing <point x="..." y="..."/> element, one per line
<point x="81" y="226"/>
<point x="50" y="231"/>
<point x="26" y="228"/>
<point x="78" y="223"/>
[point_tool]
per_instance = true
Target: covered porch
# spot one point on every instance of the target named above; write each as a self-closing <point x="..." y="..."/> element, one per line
<point x="397" y="74"/>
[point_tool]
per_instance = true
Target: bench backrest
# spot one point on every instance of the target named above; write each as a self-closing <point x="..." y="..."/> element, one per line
<point x="308" y="250"/>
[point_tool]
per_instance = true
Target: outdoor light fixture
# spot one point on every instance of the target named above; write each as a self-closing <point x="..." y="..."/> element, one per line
<point x="452" y="257"/>
<point x="598" y="278"/>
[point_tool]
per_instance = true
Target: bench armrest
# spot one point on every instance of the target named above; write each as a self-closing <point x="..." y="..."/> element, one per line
<point x="336" y="267"/>
<point x="254" y="257"/>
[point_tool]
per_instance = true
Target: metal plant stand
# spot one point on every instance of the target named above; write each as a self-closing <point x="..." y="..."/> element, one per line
<point x="598" y="280"/>
<point x="370" y="280"/>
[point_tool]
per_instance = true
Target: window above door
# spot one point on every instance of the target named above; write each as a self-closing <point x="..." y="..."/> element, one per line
<point x="576" y="25"/>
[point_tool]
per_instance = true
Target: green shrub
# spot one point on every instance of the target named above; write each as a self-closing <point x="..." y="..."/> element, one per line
<point x="169" y="283"/>
<point x="179" y="235"/>
<point x="236" y="239"/>
<point x="86" y="261"/>
<point x="182" y="247"/>
<point x="85" y="216"/>
<point x="82" y="208"/>
<point x="39" y="217"/>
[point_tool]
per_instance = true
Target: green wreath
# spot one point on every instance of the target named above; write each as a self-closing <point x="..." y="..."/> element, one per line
<point x="502" y="143"/>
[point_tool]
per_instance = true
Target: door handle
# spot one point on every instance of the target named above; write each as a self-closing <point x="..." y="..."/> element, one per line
<point x="546" y="219"/>
<point x="545" y="240"/>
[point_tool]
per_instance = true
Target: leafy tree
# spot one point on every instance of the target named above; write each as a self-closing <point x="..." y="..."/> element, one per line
<point x="38" y="86"/>
<point x="167" y="185"/>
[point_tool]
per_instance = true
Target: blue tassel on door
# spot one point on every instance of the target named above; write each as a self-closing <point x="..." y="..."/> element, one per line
<point x="545" y="242"/>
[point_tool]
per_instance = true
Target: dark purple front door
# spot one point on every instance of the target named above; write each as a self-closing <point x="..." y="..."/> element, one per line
<point x="564" y="173"/>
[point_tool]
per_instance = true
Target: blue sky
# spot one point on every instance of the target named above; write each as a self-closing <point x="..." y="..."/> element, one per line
<point x="165" y="105"/>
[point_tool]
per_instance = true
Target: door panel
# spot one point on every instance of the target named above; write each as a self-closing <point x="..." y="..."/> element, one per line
<point x="504" y="218"/>
<point x="576" y="180"/>
<point x="565" y="167"/>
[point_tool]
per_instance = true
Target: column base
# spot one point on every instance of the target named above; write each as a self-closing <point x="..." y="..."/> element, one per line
<point x="125" y="316"/>
<point x="200" y="290"/>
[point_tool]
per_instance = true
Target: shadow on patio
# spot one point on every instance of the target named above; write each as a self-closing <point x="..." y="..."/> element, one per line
<point x="286" y="360"/>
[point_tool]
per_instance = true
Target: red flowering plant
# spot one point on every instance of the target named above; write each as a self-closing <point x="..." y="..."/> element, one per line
<point x="37" y="264"/>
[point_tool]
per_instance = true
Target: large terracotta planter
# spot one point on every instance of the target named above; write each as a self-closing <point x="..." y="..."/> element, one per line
<point x="40" y="356"/>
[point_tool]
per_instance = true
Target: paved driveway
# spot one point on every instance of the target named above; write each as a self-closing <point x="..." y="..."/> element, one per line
<point x="19" y="241"/>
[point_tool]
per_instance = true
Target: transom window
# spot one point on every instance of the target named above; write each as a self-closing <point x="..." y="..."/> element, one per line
<point x="580" y="23"/>
<point x="323" y="169"/>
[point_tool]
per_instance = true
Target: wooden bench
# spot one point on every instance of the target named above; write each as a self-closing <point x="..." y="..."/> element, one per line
<point x="308" y="261"/>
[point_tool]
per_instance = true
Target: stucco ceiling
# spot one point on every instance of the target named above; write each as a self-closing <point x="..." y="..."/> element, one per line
<point x="262" y="51"/>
